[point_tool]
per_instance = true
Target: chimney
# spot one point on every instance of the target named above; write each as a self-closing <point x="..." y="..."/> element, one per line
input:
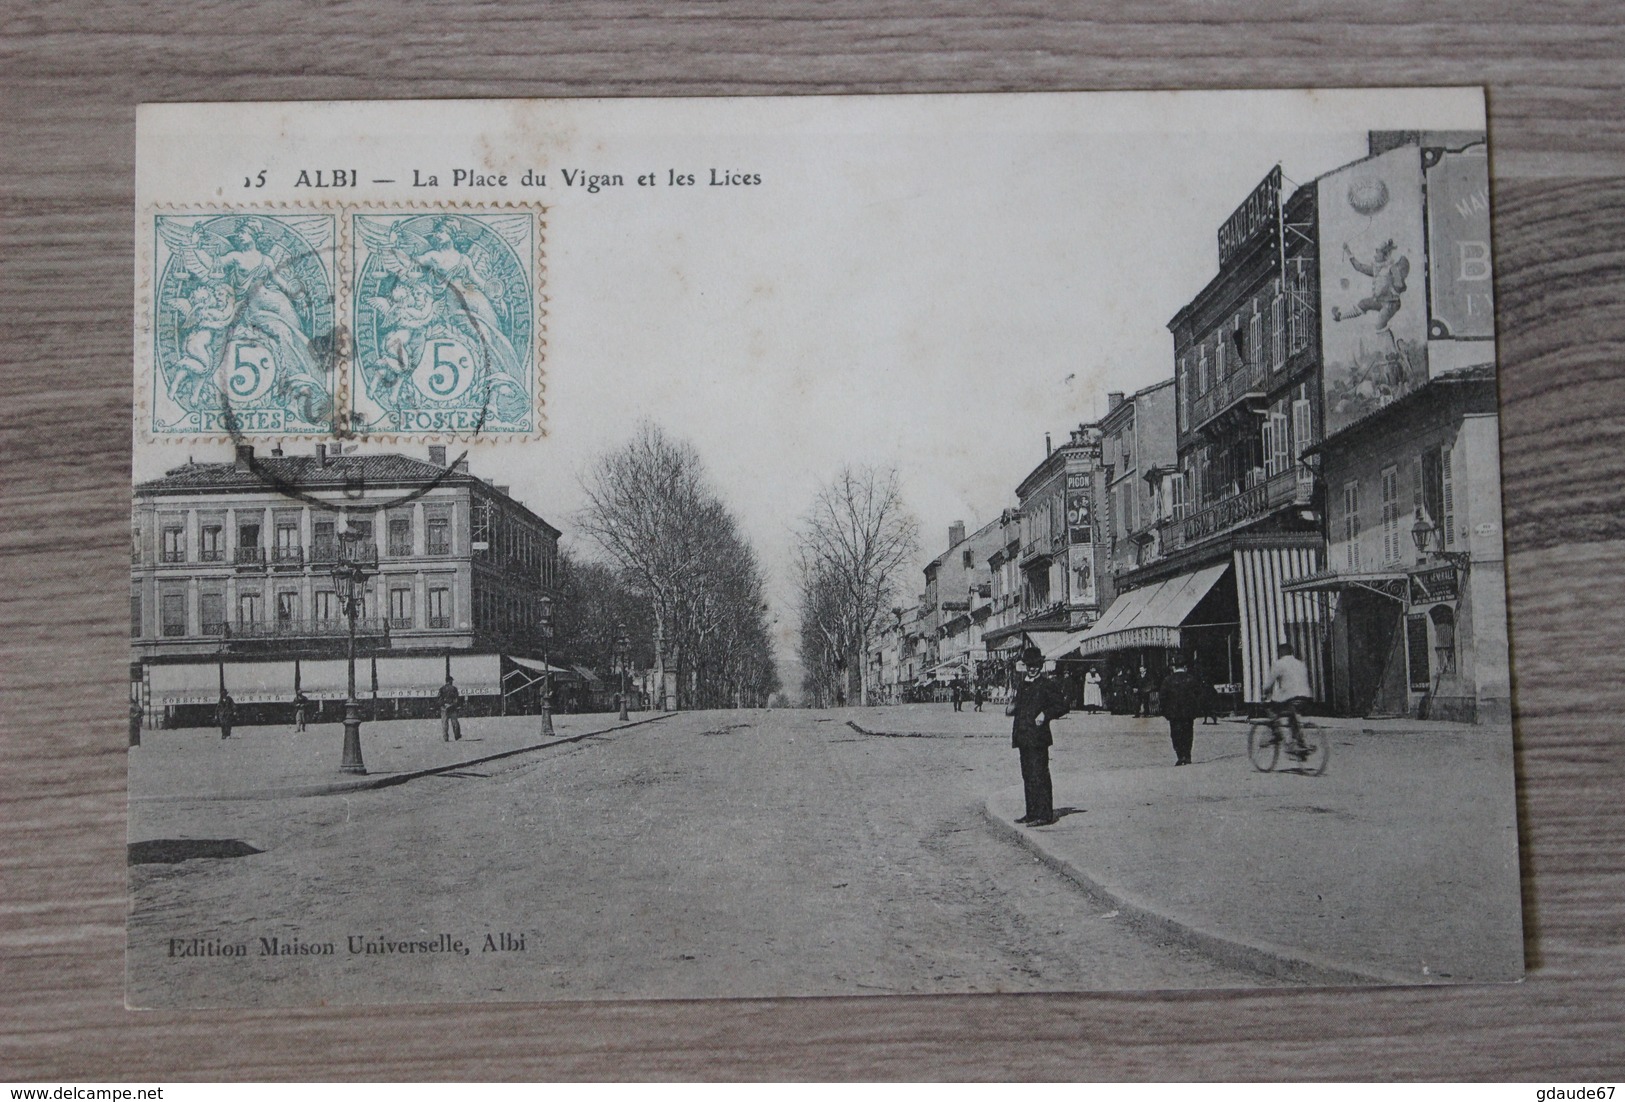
<point x="1047" y="448"/>
<point x="461" y="466"/>
<point x="321" y="455"/>
<point x="503" y="490"/>
<point x="1114" y="398"/>
<point x="437" y="454"/>
<point x="276" y="452"/>
<point x="245" y="456"/>
<point x="956" y="533"/>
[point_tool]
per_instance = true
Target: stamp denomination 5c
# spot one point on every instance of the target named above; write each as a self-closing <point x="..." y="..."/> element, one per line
<point x="444" y="322"/>
<point x="243" y="336"/>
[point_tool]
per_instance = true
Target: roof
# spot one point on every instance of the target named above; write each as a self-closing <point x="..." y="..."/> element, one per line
<point x="308" y="474"/>
<point x="1461" y="376"/>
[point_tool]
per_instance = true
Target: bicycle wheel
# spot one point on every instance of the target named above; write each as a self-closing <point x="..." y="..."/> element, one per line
<point x="1316" y="752"/>
<point x="1263" y="746"/>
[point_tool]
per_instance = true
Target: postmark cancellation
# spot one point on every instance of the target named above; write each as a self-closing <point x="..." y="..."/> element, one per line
<point x="349" y="322"/>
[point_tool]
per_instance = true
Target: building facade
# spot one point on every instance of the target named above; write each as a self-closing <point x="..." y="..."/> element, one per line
<point x="1138" y="456"/>
<point x="1242" y="502"/>
<point x="232" y="576"/>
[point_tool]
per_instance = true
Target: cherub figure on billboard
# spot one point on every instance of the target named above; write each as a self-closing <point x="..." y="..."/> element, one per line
<point x="1388" y="274"/>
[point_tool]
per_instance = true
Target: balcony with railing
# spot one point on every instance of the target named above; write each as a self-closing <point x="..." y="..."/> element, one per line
<point x="1245" y="382"/>
<point x="1293" y="487"/>
<point x="288" y="558"/>
<point x="250" y="558"/>
<point x="374" y="626"/>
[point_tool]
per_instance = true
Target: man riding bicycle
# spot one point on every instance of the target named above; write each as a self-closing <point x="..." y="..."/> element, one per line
<point x="1288" y="688"/>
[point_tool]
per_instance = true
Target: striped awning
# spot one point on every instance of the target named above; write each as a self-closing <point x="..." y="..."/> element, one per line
<point x="1150" y="616"/>
<point x="1271" y="615"/>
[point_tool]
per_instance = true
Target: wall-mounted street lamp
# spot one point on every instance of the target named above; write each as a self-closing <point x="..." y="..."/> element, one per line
<point x="358" y="560"/>
<point x="1425" y="533"/>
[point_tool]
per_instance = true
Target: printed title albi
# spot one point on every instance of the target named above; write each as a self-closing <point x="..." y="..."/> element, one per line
<point x="593" y="182"/>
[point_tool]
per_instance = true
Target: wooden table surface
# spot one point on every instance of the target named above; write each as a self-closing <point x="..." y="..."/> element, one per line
<point x="72" y="74"/>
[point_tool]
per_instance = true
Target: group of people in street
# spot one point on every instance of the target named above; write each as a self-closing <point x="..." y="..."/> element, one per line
<point x="449" y="699"/>
<point x="1182" y="697"/>
<point x="958" y="692"/>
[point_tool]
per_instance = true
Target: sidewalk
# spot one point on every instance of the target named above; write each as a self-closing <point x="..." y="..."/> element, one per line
<point x="1399" y="865"/>
<point x="270" y="762"/>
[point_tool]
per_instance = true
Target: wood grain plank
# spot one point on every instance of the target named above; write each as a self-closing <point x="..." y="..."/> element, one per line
<point x="74" y="72"/>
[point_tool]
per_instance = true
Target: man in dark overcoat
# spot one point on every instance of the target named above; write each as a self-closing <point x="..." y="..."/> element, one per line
<point x="1182" y="701"/>
<point x="225" y="714"/>
<point x="1038" y="700"/>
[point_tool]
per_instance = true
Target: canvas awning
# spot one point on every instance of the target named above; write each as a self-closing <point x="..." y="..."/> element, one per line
<point x="1386" y="583"/>
<point x="1150" y="616"/>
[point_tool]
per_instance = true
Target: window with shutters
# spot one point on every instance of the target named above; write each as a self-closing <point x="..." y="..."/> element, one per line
<point x="1278" y="330"/>
<point x="1302" y="427"/>
<point x="212" y="613"/>
<point x="1391" y="548"/>
<point x="1255" y="338"/>
<point x="1219" y="357"/>
<point x="1201" y="371"/>
<point x="1351" y="525"/>
<point x="172" y="609"/>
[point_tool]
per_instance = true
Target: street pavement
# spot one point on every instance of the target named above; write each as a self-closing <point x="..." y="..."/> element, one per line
<point x="800" y="852"/>
<point x="1399" y="864"/>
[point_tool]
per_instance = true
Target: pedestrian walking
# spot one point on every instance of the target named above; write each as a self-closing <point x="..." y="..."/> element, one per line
<point x="224" y="713"/>
<point x="957" y="693"/>
<point x="1182" y="702"/>
<point x="1039" y="699"/>
<point x="451" y="702"/>
<point x="135" y="723"/>
<point x="1122" y="693"/>
<point x="1092" y="699"/>
<point x="301" y="706"/>
<point x="978" y="694"/>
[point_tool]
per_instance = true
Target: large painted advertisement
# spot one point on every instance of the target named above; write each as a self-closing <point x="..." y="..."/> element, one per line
<point x="1460" y="285"/>
<point x="1373" y="314"/>
<point x="1079" y="531"/>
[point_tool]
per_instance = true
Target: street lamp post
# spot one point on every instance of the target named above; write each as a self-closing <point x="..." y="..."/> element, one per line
<point x="545" y="631"/>
<point x="1426" y="534"/>
<point x="355" y="565"/>
<point x="623" y="650"/>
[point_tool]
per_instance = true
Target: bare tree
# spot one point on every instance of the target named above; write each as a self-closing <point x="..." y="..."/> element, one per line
<point x="652" y="510"/>
<point x="855" y="543"/>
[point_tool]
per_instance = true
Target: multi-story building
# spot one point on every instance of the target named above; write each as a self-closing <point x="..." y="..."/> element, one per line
<point x="1244" y="508"/>
<point x="1414" y="589"/>
<point x="1138" y="455"/>
<point x="232" y="579"/>
<point x="959" y="599"/>
<point x="1057" y="554"/>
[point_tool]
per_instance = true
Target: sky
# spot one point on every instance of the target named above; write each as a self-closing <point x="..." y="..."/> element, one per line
<point x="925" y="283"/>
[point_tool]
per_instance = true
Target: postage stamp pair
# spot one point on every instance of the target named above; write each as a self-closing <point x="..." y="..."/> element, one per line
<point x="346" y="321"/>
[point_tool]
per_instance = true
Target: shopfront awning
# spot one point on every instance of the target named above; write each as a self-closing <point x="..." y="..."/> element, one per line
<point x="1151" y="616"/>
<point x="536" y="667"/>
<point x="1386" y="583"/>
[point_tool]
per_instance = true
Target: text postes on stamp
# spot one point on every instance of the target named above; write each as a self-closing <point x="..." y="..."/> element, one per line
<point x="444" y="323"/>
<point x="243" y="334"/>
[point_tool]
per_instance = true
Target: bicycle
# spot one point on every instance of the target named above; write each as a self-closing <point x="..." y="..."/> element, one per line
<point x="1266" y="741"/>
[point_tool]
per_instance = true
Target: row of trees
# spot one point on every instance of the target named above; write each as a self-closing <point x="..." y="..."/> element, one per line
<point x="677" y="572"/>
<point x="855" y="545"/>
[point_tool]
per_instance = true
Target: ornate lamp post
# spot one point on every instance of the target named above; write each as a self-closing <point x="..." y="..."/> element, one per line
<point x="623" y="651"/>
<point x="358" y="560"/>
<point x="544" y="629"/>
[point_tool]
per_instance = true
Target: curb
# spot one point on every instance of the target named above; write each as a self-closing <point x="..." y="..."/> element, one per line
<point x="1277" y="961"/>
<point x="388" y="780"/>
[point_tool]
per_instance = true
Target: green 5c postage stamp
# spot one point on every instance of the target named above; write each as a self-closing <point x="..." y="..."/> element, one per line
<point x="243" y="336"/>
<point x="444" y="322"/>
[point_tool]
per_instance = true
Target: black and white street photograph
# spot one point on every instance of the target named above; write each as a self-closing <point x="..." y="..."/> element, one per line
<point x="832" y="546"/>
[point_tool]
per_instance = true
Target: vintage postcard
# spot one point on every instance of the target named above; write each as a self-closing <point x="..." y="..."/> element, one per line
<point x="823" y="546"/>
